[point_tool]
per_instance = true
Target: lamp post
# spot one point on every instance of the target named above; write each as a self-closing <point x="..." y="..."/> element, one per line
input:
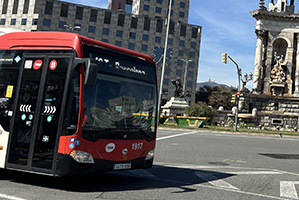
<point x="185" y="75"/>
<point x="246" y="78"/>
<point x="71" y="27"/>
<point x="164" y="60"/>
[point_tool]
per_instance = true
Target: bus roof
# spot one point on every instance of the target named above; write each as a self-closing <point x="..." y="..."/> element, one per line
<point x="58" y="40"/>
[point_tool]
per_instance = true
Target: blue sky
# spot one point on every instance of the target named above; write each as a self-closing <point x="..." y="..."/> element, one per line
<point x="227" y="26"/>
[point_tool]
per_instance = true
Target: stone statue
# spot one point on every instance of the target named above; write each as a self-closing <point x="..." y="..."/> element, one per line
<point x="178" y="88"/>
<point x="278" y="75"/>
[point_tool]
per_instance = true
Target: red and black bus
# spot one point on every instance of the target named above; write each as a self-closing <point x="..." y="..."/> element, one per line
<point x="70" y="104"/>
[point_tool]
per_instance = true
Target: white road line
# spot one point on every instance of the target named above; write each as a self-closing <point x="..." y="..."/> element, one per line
<point x="10" y="197"/>
<point x="213" y="180"/>
<point x="288" y="189"/>
<point x="257" y="173"/>
<point x="177" y="135"/>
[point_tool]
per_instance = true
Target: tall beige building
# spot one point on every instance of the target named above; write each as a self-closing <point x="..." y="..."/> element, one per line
<point x="142" y="30"/>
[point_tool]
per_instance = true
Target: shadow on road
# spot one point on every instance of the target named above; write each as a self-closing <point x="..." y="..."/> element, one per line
<point x="156" y="177"/>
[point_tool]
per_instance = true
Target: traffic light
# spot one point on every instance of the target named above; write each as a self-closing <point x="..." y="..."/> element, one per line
<point x="224" y="58"/>
<point x="233" y="98"/>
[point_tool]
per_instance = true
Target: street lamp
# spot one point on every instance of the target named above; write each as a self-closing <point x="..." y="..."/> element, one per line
<point x="71" y="27"/>
<point x="164" y="60"/>
<point x="185" y="75"/>
<point x="246" y="78"/>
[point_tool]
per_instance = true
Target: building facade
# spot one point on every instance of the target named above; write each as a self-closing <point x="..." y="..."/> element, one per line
<point x="143" y="31"/>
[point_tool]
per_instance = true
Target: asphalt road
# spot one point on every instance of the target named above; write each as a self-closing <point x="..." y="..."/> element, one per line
<point x="188" y="165"/>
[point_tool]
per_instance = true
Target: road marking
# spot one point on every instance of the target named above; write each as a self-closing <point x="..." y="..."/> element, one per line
<point x="10" y="197"/>
<point x="177" y="135"/>
<point x="257" y="173"/>
<point x="213" y="180"/>
<point x="288" y="189"/>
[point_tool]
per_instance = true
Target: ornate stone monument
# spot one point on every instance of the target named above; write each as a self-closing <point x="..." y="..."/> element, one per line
<point x="177" y="104"/>
<point x="276" y="69"/>
<point x="274" y="100"/>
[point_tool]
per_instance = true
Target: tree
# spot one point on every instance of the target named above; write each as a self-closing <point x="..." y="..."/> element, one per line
<point x="200" y="109"/>
<point x="221" y="96"/>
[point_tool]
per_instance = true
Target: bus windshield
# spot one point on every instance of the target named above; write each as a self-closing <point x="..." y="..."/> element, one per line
<point x="123" y="99"/>
<point x="9" y="71"/>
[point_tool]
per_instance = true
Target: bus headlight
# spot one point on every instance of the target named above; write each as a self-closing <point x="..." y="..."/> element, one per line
<point x="81" y="156"/>
<point x="150" y="154"/>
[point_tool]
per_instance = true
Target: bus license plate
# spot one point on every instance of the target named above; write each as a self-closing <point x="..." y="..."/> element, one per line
<point x="122" y="166"/>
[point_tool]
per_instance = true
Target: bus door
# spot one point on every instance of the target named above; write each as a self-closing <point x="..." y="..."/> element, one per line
<point x="38" y="112"/>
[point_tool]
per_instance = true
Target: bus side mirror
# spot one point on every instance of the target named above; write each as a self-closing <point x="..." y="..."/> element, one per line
<point x="91" y="70"/>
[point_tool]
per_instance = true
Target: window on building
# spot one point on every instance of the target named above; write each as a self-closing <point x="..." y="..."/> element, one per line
<point x="190" y="74"/>
<point x="147" y="23"/>
<point x="194" y="32"/>
<point x="171" y="27"/>
<point x="182" y="43"/>
<point x="181" y="53"/>
<point x="134" y="21"/>
<point x="64" y="10"/>
<point x="79" y="13"/>
<point x="2" y="21"/>
<point x="159" y="1"/>
<point x="158" y="39"/>
<point x="131" y="46"/>
<point x="182" y="4"/>
<point x="121" y="20"/>
<point x="49" y="7"/>
<point x="193" y="45"/>
<point x="107" y="17"/>
<point x="144" y="47"/>
<point x="180" y="63"/>
<point x="105" y="31"/>
<point x="47" y="22"/>
<point x="179" y="72"/>
<point x="34" y="21"/>
<point x="119" y="33"/>
<point x="26" y="7"/>
<point x="158" y="10"/>
<point x="182" y="14"/>
<point x="191" y="64"/>
<point x="24" y="21"/>
<point x="165" y="81"/>
<point x="93" y="15"/>
<point x="4" y="7"/>
<point x="170" y="41"/>
<point x="61" y="24"/>
<point x="91" y="29"/>
<point x="119" y="5"/>
<point x="146" y="7"/>
<point x="183" y="30"/>
<point x="13" y="22"/>
<point x="159" y="25"/>
<point x="105" y="40"/>
<point x="167" y="71"/>
<point x="118" y="43"/>
<point x="192" y="54"/>
<point x="145" y="37"/>
<point x="189" y="83"/>
<point x="15" y="7"/>
<point x="132" y="35"/>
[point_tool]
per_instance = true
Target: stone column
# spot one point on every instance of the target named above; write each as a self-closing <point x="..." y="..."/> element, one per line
<point x="258" y="62"/>
<point x="296" y="93"/>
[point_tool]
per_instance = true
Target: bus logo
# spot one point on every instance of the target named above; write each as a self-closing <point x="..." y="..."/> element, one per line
<point x="37" y="64"/>
<point x="110" y="147"/>
<point x="53" y="65"/>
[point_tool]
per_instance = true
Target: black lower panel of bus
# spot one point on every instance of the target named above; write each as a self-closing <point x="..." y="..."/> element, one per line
<point x="68" y="166"/>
